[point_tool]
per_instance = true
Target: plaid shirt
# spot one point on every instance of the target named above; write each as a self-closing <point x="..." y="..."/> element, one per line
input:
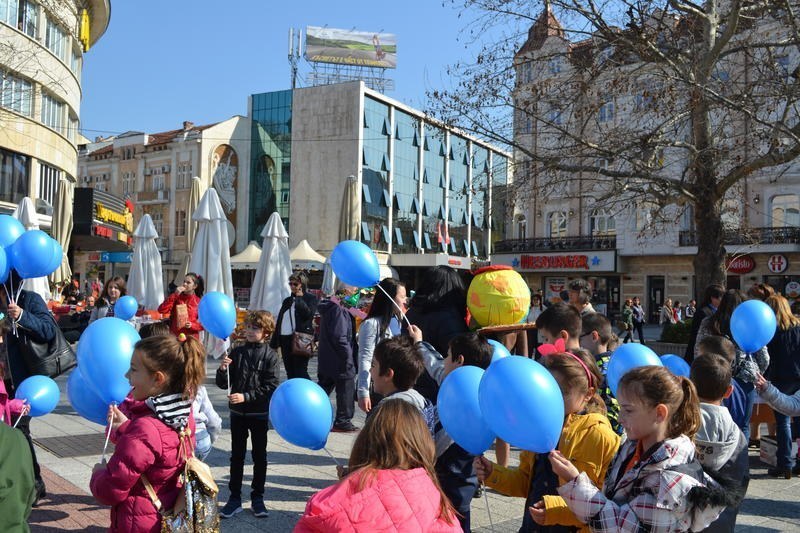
<point x="648" y="497"/>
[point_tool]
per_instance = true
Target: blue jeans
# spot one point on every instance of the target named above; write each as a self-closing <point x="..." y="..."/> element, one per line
<point x="784" y="459"/>
<point x="203" y="446"/>
<point x="750" y="399"/>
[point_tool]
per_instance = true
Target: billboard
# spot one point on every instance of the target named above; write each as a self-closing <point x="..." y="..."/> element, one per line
<point x="346" y="47"/>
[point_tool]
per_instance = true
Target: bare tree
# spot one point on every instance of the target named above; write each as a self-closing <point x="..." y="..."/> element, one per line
<point x="670" y="105"/>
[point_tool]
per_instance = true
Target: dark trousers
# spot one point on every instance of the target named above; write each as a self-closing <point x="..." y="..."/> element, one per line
<point x="638" y="327"/>
<point x="783" y="430"/>
<point x="240" y="427"/>
<point x="296" y="366"/>
<point x="345" y="394"/>
<point x="25" y="426"/>
<point x="750" y="400"/>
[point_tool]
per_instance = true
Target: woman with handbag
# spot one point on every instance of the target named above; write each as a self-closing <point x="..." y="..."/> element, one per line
<point x="295" y="328"/>
<point x="626" y="323"/>
<point x="31" y="322"/>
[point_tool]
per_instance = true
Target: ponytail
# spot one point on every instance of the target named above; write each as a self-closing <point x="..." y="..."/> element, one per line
<point x="181" y="361"/>
<point x="655" y="385"/>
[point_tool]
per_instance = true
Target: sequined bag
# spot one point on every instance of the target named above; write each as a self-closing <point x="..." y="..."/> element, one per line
<point x="195" y="510"/>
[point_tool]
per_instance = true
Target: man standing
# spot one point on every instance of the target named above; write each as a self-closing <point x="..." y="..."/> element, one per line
<point x="638" y="318"/>
<point x="337" y="356"/>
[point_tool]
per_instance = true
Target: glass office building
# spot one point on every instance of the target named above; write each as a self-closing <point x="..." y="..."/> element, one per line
<point x="427" y="192"/>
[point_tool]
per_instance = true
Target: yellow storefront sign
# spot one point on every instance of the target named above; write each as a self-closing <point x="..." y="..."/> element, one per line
<point x="107" y="215"/>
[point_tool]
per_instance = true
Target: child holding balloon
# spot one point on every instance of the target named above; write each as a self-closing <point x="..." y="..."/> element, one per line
<point x="153" y="439"/>
<point x="250" y="373"/>
<point x="655" y="482"/>
<point x="586" y="438"/>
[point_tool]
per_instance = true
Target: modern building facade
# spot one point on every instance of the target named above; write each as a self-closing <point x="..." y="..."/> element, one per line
<point x="42" y="46"/>
<point x="343" y="161"/>
<point x="153" y="173"/>
<point x="569" y="235"/>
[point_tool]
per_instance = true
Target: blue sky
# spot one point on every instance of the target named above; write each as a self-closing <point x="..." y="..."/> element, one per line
<point x="166" y="61"/>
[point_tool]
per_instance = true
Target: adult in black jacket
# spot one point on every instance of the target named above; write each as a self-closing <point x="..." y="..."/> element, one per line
<point x="31" y="317"/>
<point x="296" y="314"/>
<point x="708" y="306"/>
<point x="336" y="357"/>
<point x="438" y="308"/>
<point x="252" y="373"/>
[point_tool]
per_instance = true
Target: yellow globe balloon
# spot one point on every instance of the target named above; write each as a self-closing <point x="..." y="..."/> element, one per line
<point x="498" y="298"/>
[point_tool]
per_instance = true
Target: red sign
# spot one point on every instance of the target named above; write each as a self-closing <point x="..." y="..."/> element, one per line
<point x="741" y="265"/>
<point x="544" y="262"/>
<point x="777" y="263"/>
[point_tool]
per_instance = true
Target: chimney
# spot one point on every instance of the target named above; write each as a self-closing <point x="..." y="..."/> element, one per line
<point x="187" y="125"/>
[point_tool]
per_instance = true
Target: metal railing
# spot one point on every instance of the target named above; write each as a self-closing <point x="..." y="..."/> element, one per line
<point x="753" y="236"/>
<point x="555" y="244"/>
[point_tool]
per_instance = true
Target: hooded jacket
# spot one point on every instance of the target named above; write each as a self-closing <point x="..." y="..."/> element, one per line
<point x="337" y="341"/>
<point x="722" y="450"/>
<point x="587" y="441"/>
<point x="144" y="445"/>
<point x="17" y="491"/>
<point x="393" y="501"/>
<point x="254" y="372"/>
<point x="655" y="495"/>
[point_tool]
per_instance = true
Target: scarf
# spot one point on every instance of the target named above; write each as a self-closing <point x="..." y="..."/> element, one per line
<point x="172" y="409"/>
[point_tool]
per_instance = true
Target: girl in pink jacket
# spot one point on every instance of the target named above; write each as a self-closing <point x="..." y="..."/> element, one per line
<point x="392" y="485"/>
<point x="164" y="375"/>
<point x="10" y="409"/>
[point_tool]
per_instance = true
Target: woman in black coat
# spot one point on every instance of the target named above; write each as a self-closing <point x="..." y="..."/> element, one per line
<point x="296" y="314"/>
<point x="708" y="306"/>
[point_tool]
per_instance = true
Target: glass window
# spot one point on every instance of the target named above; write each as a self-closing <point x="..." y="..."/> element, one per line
<point x="76" y="63"/>
<point x="17" y="94"/>
<point x="602" y="222"/>
<point x="14" y="176"/>
<point x="606" y="111"/>
<point x="55" y="39"/>
<point x="28" y="17"/>
<point x="180" y="223"/>
<point x="52" y="113"/>
<point x="785" y="211"/>
<point x="48" y="183"/>
<point x="557" y="224"/>
<point x="9" y="10"/>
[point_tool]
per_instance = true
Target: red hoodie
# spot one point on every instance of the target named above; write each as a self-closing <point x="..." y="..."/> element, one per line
<point x="145" y="445"/>
<point x="192" y="302"/>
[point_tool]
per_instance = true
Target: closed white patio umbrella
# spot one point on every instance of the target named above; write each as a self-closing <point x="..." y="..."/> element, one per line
<point x="61" y="228"/>
<point x="195" y="193"/>
<point x="146" y="281"/>
<point x="271" y="284"/>
<point x="26" y="214"/>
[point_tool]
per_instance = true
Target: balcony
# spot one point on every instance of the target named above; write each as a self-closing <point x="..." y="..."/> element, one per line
<point x="749" y="236"/>
<point x="152" y="197"/>
<point x="554" y="244"/>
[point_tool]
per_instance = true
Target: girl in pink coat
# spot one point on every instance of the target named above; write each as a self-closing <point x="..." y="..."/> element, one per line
<point x="164" y="375"/>
<point x="392" y="485"/>
<point x="10" y="409"/>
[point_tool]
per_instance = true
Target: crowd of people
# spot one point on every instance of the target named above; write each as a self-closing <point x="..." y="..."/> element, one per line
<point x="665" y="453"/>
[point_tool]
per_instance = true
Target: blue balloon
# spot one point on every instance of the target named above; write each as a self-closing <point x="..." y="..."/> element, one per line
<point x="676" y="364"/>
<point x="627" y="357"/>
<point x="32" y="253"/>
<point x="40" y="392"/>
<point x="522" y="404"/>
<point x="85" y="402"/>
<point x="5" y="265"/>
<point x="10" y="230"/>
<point x="301" y="413"/>
<point x="58" y="256"/>
<point x="126" y="307"/>
<point x="355" y="264"/>
<point x="460" y="410"/>
<point x="217" y="314"/>
<point x="107" y="358"/>
<point x="499" y="350"/>
<point x="753" y="325"/>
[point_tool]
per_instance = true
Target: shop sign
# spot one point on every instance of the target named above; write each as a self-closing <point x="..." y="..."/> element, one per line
<point x="105" y="214"/>
<point x="116" y="257"/>
<point x="792" y="289"/>
<point x="741" y="265"/>
<point x="777" y="263"/>
<point x="559" y="262"/>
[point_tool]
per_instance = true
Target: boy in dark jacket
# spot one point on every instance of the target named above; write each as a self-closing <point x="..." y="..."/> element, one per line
<point x="454" y="468"/>
<point x="336" y="358"/>
<point x="250" y="374"/>
<point x="721" y="445"/>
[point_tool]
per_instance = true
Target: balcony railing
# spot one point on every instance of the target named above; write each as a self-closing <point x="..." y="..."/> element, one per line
<point x="554" y="244"/>
<point x="753" y="236"/>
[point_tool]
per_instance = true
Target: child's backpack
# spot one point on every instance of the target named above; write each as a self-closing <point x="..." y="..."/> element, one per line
<point x="196" y="507"/>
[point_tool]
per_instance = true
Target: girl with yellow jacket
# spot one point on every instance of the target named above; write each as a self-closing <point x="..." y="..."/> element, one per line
<point x="587" y="440"/>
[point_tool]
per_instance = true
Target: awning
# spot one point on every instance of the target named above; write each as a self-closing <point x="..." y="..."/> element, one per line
<point x="248" y="258"/>
<point x="304" y="257"/>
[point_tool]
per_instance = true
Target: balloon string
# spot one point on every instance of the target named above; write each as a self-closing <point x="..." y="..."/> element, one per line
<point x="402" y="314"/>
<point x="8" y="297"/>
<point x="105" y="445"/>
<point x="18" y="419"/>
<point x="488" y="509"/>
<point x="335" y="460"/>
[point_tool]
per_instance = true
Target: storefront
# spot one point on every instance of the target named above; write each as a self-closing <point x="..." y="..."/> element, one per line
<point x="101" y="235"/>
<point x="552" y="272"/>
<point x="410" y="267"/>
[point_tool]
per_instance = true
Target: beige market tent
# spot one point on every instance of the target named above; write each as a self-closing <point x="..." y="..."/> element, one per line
<point x="248" y="258"/>
<point x="303" y="257"/>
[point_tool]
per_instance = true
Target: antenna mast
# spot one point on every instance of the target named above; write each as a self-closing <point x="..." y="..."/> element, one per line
<point x="295" y="36"/>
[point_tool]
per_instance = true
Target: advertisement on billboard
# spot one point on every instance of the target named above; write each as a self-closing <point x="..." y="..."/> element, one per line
<point x="350" y="47"/>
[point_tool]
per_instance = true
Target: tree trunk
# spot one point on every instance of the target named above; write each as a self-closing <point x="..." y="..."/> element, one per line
<point x="709" y="263"/>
